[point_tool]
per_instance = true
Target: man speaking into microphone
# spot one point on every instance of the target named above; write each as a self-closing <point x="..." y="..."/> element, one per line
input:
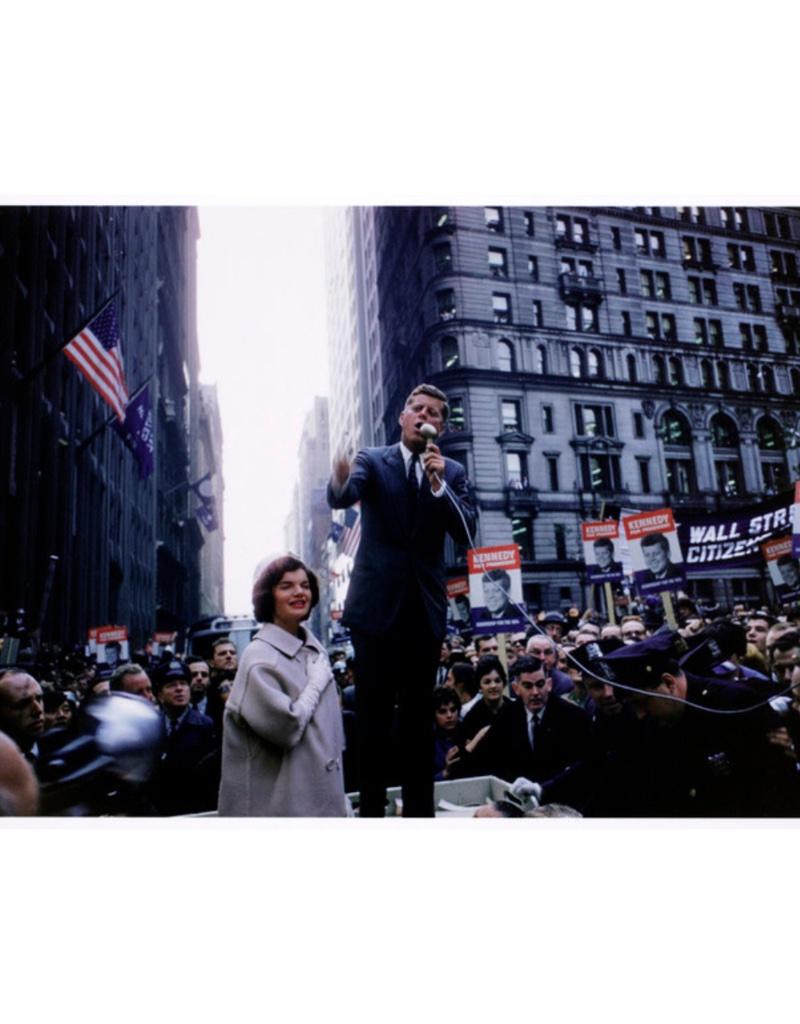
<point x="411" y="496"/>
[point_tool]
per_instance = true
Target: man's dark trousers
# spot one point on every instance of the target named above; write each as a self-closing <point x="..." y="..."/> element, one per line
<point x="398" y="666"/>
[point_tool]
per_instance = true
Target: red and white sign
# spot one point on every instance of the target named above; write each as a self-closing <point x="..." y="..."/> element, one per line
<point x="495" y="590"/>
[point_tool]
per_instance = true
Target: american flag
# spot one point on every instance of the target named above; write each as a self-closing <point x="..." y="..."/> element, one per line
<point x="96" y="352"/>
<point x="352" y="532"/>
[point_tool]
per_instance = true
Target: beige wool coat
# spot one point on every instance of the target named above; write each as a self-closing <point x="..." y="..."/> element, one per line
<point x="276" y="761"/>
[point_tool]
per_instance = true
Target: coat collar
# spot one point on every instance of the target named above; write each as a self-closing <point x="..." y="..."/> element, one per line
<point x="285" y="642"/>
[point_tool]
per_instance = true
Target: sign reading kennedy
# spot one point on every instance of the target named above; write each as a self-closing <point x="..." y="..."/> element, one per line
<point x="495" y="589"/>
<point x="655" y="551"/>
<point x="796" y="521"/>
<point x="600" y="551"/>
<point x="458" y="603"/>
<point x="783" y="568"/>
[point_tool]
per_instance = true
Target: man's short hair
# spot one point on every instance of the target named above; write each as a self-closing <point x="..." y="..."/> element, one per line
<point x="432" y="392"/>
<point x="604" y="542"/>
<point x="118" y="675"/>
<point x="496" y="576"/>
<point x="489" y="663"/>
<point x="786" y="641"/>
<point x="215" y="644"/>
<point x="655" y="538"/>
<point x="527" y="663"/>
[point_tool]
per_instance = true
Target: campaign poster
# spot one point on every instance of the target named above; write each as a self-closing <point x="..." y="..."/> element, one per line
<point x="796" y="521"/>
<point x="783" y="568"/>
<point x="655" y="552"/>
<point x="601" y="551"/>
<point x="91" y="641"/>
<point x="112" y="646"/>
<point x="458" y="610"/>
<point x="495" y="590"/>
<point x="163" y="642"/>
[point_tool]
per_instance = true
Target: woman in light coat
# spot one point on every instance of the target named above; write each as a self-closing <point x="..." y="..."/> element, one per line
<point x="282" y="728"/>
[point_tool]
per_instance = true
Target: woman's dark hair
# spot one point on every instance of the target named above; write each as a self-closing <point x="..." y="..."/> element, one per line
<point x="444" y="695"/>
<point x="270" y="577"/>
<point x="464" y="675"/>
<point x="489" y="663"/>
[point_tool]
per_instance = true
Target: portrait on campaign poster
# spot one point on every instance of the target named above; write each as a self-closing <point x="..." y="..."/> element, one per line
<point x="495" y="590"/>
<point x="796" y="521"/>
<point x="655" y="551"/>
<point x="458" y="610"/>
<point x="112" y="646"/>
<point x="601" y="551"/>
<point x="783" y="568"/>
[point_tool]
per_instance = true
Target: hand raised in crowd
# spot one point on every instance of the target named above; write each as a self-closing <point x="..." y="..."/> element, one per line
<point x="470" y="745"/>
<point x="780" y="738"/>
<point x="341" y="470"/>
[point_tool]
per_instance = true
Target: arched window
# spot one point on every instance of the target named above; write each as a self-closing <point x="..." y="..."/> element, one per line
<point x="753" y="377"/>
<point x="540" y="359"/>
<point x="631" y="363"/>
<point x="505" y="356"/>
<point x="595" y="363"/>
<point x="768" y="379"/>
<point x="674" y="429"/>
<point x="706" y="373"/>
<point x="724" y="376"/>
<point x="577" y="362"/>
<point x="675" y="371"/>
<point x="450" y="356"/>
<point x="795" y="378"/>
<point x="770" y="435"/>
<point x="659" y="370"/>
<point x="723" y="432"/>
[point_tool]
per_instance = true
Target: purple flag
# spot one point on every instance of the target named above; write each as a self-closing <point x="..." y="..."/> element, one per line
<point x="206" y="511"/>
<point x="137" y="430"/>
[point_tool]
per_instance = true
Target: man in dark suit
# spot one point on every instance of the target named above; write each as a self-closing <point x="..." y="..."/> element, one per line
<point x="655" y="552"/>
<point x="541" y="736"/>
<point x="411" y="496"/>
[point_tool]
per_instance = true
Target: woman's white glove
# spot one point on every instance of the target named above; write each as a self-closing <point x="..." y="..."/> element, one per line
<point x="524" y="789"/>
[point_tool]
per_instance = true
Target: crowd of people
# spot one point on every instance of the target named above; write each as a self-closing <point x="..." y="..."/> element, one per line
<point x="578" y="715"/>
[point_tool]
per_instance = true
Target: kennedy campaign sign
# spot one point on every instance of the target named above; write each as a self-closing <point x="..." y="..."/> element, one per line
<point x="655" y="551"/>
<point x="783" y="568"/>
<point x="601" y="551"/>
<point x="495" y="589"/>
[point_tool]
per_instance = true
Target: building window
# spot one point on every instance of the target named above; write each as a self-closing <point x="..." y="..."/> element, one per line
<point x="659" y="370"/>
<point x="594" y="420"/>
<point x="674" y="429"/>
<point x="692" y="214"/>
<point x="626" y="323"/>
<point x="446" y="304"/>
<point x="600" y="472"/>
<point x="680" y="476"/>
<point x="706" y="373"/>
<point x="494" y="218"/>
<point x="708" y="332"/>
<point x="644" y="475"/>
<point x="594" y="363"/>
<point x="702" y="290"/>
<point x="630" y="360"/>
<point x="581" y="317"/>
<point x="547" y="419"/>
<point x="760" y="337"/>
<point x="723" y="432"/>
<point x="660" y="325"/>
<point x="498" y="263"/>
<point x="516" y="470"/>
<point x="655" y="285"/>
<point x="522" y="536"/>
<point x="456" y="420"/>
<point x="552" y="472"/>
<point x="528" y="219"/>
<point x="616" y="238"/>
<point x="443" y="257"/>
<point x="783" y="265"/>
<point x="540" y="359"/>
<point x="533" y="268"/>
<point x="734" y="218"/>
<point x="638" y="425"/>
<point x="501" y="308"/>
<point x="775" y="477"/>
<point x="724" y="376"/>
<point x="728" y="477"/>
<point x="577" y="363"/>
<point x="572" y="229"/>
<point x="697" y="252"/>
<point x="538" y="320"/>
<point x="621" y="282"/>
<point x="674" y="371"/>
<point x="505" y="356"/>
<point x="650" y="243"/>
<point x="450" y="357"/>
<point x="510" y="414"/>
<point x="560" y="535"/>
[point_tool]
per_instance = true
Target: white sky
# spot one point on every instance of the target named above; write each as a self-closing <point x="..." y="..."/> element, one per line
<point x="262" y="334"/>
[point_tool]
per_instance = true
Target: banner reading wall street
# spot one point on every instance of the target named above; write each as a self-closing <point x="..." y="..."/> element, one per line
<point x="732" y="540"/>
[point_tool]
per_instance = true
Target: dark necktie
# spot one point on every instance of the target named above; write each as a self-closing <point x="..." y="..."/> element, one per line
<point x="534" y="730"/>
<point x="413" y="483"/>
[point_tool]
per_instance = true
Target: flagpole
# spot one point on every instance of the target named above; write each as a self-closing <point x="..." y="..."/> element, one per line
<point x="111" y="419"/>
<point x="37" y="369"/>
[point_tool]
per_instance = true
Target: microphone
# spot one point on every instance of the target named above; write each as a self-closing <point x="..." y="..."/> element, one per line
<point x="430" y="433"/>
